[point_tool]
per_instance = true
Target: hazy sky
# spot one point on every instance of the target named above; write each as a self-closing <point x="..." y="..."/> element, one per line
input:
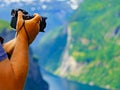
<point x="73" y="3"/>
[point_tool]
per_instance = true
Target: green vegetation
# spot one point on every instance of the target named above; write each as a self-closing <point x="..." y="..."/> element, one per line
<point x="50" y="49"/>
<point x="4" y="24"/>
<point x="96" y="41"/>
<point x="94" y="45"/>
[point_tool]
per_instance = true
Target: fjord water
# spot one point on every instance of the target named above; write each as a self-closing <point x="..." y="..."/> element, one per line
<point x="58" y="83"/>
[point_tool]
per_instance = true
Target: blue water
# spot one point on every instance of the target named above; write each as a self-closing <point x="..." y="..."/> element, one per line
<point x="58" y="83"/>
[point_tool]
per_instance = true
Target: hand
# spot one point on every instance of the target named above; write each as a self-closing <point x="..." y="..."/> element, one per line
<point x="30" y="28"/>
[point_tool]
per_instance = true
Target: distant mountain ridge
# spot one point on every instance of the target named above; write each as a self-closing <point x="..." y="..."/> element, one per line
<point x="3" y="24"/>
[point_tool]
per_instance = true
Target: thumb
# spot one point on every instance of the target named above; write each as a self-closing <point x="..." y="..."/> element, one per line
<point x="20" y="15"/>
<point x="19" y="20"/>
<point x="36" y="18"/>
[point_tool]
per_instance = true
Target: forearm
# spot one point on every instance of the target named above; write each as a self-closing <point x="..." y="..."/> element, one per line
<point x="9" y="46"/>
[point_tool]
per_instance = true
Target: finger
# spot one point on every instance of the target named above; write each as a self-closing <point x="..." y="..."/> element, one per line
<point x="20" y="15"/>
<point x="19" y="20"/>
<point x="36" y="18"/>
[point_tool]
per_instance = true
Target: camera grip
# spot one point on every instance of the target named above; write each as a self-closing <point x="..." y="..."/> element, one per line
<point x="13" y="22"/>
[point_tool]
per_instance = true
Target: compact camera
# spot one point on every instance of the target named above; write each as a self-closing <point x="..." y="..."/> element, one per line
<point x="26" y="16"/>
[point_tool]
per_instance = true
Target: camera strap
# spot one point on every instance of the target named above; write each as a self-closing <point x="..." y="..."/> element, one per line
<point x="20" y="28"/>
<point x="26" y="32"/>
<point x="23" y="25"/>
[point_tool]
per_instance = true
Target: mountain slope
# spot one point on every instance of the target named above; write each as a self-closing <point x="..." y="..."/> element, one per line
<point x="95" y="43"/>
<point x="50" y="48"/>
<point x="93" y="50"/>
<point x="3" y="24"/>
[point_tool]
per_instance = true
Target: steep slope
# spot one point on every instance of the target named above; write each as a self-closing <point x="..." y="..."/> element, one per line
<point x="95" y="44"/>
<point x="91" y="51"/>
<point x="50" y="48"/>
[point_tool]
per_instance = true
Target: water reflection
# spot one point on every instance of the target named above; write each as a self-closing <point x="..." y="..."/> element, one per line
<point x="57" y="83"/>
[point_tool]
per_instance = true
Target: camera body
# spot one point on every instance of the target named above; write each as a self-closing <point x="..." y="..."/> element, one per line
<point x="26" y="16"/>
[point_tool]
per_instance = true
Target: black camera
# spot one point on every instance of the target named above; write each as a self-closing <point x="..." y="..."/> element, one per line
<point x="26" y="16"/>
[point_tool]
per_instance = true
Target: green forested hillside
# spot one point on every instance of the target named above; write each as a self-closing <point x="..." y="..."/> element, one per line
<point x="91" y="54"/>
<point x="50" y="48"/>
<point x="3" y="24"/>
<point x="96" y="42"/>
